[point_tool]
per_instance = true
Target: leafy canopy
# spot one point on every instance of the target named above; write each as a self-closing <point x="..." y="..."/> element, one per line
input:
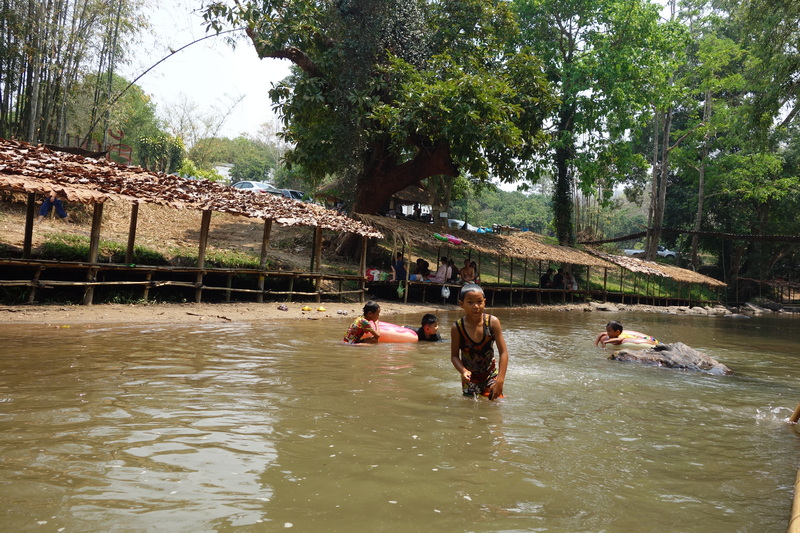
<point x="379" y="82"/>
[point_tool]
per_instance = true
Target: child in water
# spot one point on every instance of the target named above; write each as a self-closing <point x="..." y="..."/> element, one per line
<point x="361" y="325"/>
<point x="430" y="329"/>
<point x="614" y="336"/>
<point x="471" y="346"/>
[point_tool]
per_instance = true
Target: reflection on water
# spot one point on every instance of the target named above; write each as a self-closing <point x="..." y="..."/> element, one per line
<point x="267" y="426"/>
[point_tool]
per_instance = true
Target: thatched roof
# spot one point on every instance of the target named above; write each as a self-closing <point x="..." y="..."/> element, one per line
<point x="530" y="246"/>
<point x="413" y="194"/>
<point x="37" y="169"/>
<point x="640" y="266"/>
<point x="519" y="246"/>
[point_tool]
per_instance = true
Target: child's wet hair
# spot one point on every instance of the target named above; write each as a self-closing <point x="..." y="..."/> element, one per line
<point x="429" y="319"/>
<point x="468" y="288"/>
<point x="614" y="325"/>
<point x="371" y="307"/>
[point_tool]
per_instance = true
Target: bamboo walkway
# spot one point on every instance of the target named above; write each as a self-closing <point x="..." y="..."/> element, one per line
<point x="261" y="285"/>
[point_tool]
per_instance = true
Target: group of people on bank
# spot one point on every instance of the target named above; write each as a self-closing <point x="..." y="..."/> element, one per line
<point x="446" y="272"/>
<point x="560" y="279"/>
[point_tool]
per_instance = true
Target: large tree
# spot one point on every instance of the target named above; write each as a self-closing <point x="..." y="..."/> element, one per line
<point x="388" y="92"/>
<point x="605" y="58"/>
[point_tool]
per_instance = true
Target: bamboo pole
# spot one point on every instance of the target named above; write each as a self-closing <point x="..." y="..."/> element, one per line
<point x="29" y="214"/>
<point x="525" y="273"/>
<point x="318" y="260"/>
<point x="510" y="281"/>
<point x="262" y="263"/>
<point x="132" y="233"/>
<point x="94" y="248"/>
<point x="205" y="224"/>
<point x="794" y="522"/>
<point x="408" y="274"/>
<point x="362" y="266"/>
<point x="36" y="276"/>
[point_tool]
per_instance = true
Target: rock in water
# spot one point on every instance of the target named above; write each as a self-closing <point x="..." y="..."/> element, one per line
<point x="676" y="355"/>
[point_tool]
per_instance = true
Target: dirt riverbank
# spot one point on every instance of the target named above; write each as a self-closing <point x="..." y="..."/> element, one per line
<point x="64" y="315"/>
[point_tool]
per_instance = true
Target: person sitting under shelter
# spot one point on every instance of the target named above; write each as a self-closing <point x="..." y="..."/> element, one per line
<point x="467" y="273"/>
<point x="558" y="279"/>
<point x="421" y="271"/>
<point x="546" y="281"/>
<point x="442" y="273"/>
<point x="55" y="202"/>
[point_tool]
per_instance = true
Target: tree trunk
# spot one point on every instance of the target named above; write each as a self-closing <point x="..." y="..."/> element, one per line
<point x="562" y="195"/>
<point x="660" y="194"/>
<point x="375" y="188"/>
<point x="701" y="184"/>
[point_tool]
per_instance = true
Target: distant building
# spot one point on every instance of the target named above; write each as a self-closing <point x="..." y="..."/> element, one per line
<point x="224" y="170"/>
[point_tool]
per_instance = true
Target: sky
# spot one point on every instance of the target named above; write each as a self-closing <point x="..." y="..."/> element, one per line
<point x="209" y="74"/>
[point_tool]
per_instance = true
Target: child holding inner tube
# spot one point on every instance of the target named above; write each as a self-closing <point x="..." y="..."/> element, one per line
<point x="361" y="325"/>
<point x="472" y="341"/>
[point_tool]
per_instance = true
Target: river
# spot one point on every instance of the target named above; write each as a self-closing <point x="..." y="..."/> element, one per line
<point x="275" y="426"/>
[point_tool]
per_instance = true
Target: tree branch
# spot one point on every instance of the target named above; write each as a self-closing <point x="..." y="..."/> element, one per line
<point x="682" y="137"/>
<point x="292" y="53"/>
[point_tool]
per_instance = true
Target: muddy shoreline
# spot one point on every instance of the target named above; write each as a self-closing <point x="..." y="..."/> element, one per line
<point x="58" y="315"/>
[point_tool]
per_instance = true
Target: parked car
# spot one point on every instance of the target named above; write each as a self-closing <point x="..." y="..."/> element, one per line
<point x="662" y="252"/>
<point x="292" y="194"/>
<point x="459" y="224"/>
<point x="257" y="186"/>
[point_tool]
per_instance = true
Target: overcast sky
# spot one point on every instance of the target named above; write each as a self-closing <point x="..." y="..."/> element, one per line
<point x="210" y="73"/>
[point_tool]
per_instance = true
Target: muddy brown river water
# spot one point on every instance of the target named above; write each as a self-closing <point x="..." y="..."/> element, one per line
<point x="275" y="426"/>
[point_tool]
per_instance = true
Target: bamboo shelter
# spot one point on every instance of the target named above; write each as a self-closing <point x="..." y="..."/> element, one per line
<point x="523" y="255"/>
<point x="36" y="170"/>
<point x="643" y="271"/>
<point x="526" y="256"/>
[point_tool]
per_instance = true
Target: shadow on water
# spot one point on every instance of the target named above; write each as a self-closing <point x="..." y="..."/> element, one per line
<point x="266" y="426"/>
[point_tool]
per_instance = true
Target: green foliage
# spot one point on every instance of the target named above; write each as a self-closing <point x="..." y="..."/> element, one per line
<point x="252" y="159"/>
<point x="496" y="206"/>
<point x="161" y="153"/>
<point x="607" y="60"/>
<point x="189" y="170"/>
<point x="229" y="259"/>
<point x="45" y="49"/>
<point x="131" y="117"/>
<point x="389" y="92"/>
<point x="67" y="247"/>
